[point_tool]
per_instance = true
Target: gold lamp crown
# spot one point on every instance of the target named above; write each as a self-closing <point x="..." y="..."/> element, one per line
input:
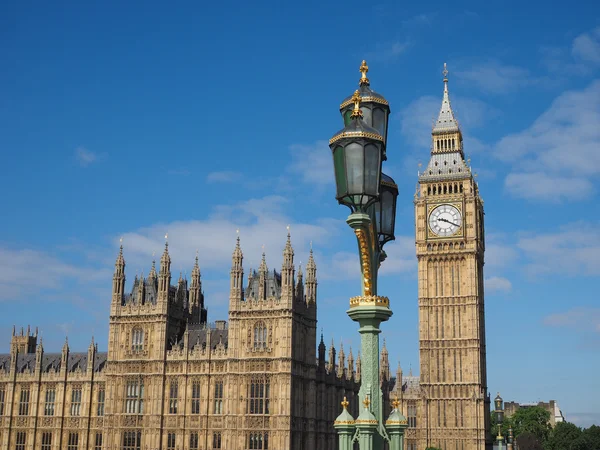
<point x="356" y="100"/>
<point x="363" y="70"/>
<point x="396" y="403"/>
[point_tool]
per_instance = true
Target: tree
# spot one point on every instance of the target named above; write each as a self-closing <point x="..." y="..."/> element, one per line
<point x="592" y="435"/>
<point x="433" y="448"/>
<point x="562" y="436"/>
<point x="534" y="420"/>
<point x="528" y="441"/>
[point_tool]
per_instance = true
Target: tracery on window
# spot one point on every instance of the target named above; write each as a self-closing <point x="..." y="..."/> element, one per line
<point x="137" y="340"/>
<point x="260" y="335"/>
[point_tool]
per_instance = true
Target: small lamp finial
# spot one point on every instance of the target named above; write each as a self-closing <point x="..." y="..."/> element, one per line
<point x="356" y="99"/>
<point x="445" y="73"/>
<point x="345" y="403"/>
<point x="364" y="68"/>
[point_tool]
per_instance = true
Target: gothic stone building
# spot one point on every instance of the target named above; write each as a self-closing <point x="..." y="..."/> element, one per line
<point x="171" y="381"/>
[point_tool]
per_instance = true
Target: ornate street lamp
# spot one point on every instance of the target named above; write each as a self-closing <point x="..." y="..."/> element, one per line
<point x="499" y="410"/>
<point x="358" y="152"/>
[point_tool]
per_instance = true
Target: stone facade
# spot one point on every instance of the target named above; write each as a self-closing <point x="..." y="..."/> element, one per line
<point x="551" y="406"/>
<point x="172" y="381"/>
<point x="448" y="405"/>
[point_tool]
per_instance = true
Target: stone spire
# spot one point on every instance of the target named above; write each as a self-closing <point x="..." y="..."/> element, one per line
<point x="384" y="364"/>
<point x="287" y="270"/>
<point x="322" y="350"/>
<point x="341" y="361"/>
<point x="119" y="276"/>
<point x="152" y="274"/>
<point x="447" y="157"/>
<point x="311" y="280"/>
<point x="164" y="276"/>
<point x="262" y="278"/>
<point x="350" y="372"/>
<point x="300" y="285"/>
<point x="331" y="367"/>
<point x="236" y="287"/>
<point x="358" y="367"/>
<point x="446" y="123"/>
<point x="196" y="303"/>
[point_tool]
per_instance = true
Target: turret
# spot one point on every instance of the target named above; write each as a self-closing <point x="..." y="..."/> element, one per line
<point x="322" y="350"/>
<point x="141" y="290"/>
<point x="196" y="307"/>
<point x="331" y="367"/>
<point x="287" y="271"/>
<point x="310" y="289"/>
<point x="350" y="371"/>
<point x="164" y="276"/>
<point x="236" y="288"/>
<point x="299" y="286"/>
<point x="399" y="381"/>
<point x="39" y="354"/>
<point x="384" y="364"/>
<point x="358" y="367"/>
<point x="119" y="278"/>
<point x="91" y="356"/>
<point x="64" y="358"/>
<point x="341" y="361"/>
<point x="262" y="278"/>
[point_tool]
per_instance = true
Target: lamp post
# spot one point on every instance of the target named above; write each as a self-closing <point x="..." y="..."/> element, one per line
<point x="359" y="150"/>
<point x="499" y="410"/>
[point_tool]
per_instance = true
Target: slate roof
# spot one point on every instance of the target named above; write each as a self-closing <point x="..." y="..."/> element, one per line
<point x="273" y="285"/>
<point x="446" y="121"/>
<point x="26" y="362"/>
<point x="444" y="166"/>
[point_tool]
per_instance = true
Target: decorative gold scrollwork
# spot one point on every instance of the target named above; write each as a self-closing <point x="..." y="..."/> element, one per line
<point x="369" y="300"/>
<point x="365" y="260"/>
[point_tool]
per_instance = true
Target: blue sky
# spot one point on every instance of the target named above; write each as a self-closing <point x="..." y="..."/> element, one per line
<point x="140" y="119"/>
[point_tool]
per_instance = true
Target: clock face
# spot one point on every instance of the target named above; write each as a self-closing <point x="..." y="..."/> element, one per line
<point x="445" y="220"/>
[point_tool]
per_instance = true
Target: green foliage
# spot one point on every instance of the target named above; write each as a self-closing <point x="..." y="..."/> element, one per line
<point x="563" y="436"/>
<point x="433" y="448"/>
<point x="534" y="420"/>
<point x="529" y="441"/>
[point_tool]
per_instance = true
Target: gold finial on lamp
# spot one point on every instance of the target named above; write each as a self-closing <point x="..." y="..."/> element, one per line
<point x="366" y="401"/>
<point x="356" y="99"/>
<point x="363" y="70"/>
<point x="396" y="403"/>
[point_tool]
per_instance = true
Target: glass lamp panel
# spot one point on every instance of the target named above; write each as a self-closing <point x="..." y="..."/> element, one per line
<point x="387" y="206"/>
<point x="355" y="166"/>
<point x="339" y="167"/>
<point x="367" y="116"/>
<point x="380" y="121"/>
<point x="372" y="169"/>
<point x="347" y="117"/>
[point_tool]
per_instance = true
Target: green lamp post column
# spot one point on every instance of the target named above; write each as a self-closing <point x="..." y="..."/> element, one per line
<point x="358" y="151"/>
<point x="345" y="426"/>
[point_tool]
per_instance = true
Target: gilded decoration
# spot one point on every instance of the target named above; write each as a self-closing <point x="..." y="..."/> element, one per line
<point x="355" y="134"/>
<point x="369" y="300"/>
<point x="365" y="260"/>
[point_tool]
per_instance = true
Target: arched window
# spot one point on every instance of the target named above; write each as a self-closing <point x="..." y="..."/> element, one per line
<point x="258" y="396"/>
<point x="137" y="340"/>
<point x="258" y="441"/>
<point x="260" y="335"/>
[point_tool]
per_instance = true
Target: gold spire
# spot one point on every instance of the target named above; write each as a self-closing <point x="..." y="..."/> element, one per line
<point x="345" y="403"/>
<point x="356" y="100"/>
<point x="363" y="70"/>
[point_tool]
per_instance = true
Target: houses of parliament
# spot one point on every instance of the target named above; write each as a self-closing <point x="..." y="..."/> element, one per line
<point x="172" y="381"/>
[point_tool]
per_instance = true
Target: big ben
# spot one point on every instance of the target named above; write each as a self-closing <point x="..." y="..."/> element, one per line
<point x="453" y="408"/>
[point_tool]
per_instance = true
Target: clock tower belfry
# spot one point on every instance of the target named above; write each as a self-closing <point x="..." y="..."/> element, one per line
<point x="453" y="410"/>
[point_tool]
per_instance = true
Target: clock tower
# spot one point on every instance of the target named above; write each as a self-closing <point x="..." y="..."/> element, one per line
<point x="453" y="408"/>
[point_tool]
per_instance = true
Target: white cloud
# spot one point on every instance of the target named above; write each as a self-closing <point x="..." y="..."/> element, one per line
<point x="574" y="250"/>
<point x="559" y="151"/>
<point x="85" y="157"/>
<point x="494" y="77"/>
<point x="550" y="188"/>
<point x="580" y="318"/>
<point x="313" y="163"/>
<point x="584" y="420"/>
<point x="27" y="272"/>
<point x="586" y="47"/>
<point x="388" y="51"/>
<point x="499" y="255"/>
<point x="497" y="284"/>
<point x="223" y="177"/>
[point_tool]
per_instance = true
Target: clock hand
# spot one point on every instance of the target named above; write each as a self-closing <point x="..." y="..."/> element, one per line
<point x="447" y="221"/>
